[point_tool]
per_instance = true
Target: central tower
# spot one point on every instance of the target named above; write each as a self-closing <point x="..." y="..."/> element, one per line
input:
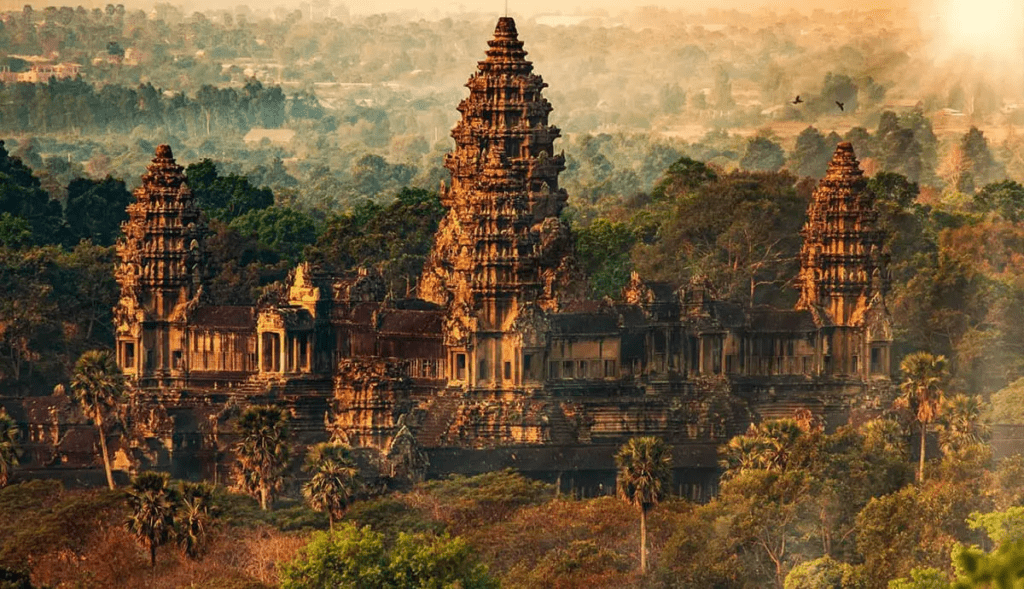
<point x="501" y="255"/>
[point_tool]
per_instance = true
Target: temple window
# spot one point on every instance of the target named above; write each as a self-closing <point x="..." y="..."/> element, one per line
<point x="508" y="371"/>
<point x="876" y="359"/>
<point x="460" y="367"/>
<point x="128" y="356"/>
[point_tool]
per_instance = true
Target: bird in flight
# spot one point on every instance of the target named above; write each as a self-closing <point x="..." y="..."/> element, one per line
<point x="840" y="105"/>
<point x="797" y="101"/>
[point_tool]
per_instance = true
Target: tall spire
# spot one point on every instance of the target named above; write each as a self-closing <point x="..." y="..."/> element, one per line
<point x="162" y="245"/>
<point x="502" y="237"/>
<point x="841" y="263"/>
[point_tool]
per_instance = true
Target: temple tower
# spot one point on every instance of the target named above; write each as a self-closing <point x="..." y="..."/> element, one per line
<point x="843" y="271"/>
<point x="501" y="252"/>
<point x="160" y="271"/>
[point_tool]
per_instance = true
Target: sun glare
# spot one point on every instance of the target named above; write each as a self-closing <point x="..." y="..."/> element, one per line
<point x="992" y="27"/>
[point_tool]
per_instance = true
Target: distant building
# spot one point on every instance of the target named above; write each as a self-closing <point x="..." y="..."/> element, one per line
<point x="275" y="136"/>
<point x="43" y="72"/>
<point x="903" y="104"/>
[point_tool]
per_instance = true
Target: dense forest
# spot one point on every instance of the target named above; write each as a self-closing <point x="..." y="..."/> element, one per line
<point x="797" y="509"/>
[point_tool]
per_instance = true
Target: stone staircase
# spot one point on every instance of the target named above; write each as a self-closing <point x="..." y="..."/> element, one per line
<point x="560" y="431"/>
<point x="785" y="408"/>
<point x="441" y="413"/>
<point x="310" y="399"/>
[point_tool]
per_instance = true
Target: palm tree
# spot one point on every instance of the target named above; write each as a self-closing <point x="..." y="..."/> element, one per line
<point x="962" y="424"/>
<point x="153" y="503"/>
<point x="262" y="450"/>
<point x="335" y="481"/>
<point x="8" y="446"/>
<point x="195" y="511"/>
<point x="765" y="446"/>
<point x="921" y="392"/>
<point x="98" y="386"/>
<point x="645" y="467"/>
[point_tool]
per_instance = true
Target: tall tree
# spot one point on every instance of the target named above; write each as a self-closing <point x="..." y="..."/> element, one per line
<point x="21" y="195"/>
<point x="645" y="471"/>
<point x="963" y="424"/>
<point x="153" y="504"/>
<point x="334" y="482"/>
<point x="262" y="450"/>
<point x="225" y="197"/>
<point x="99" y="388"/>
<point x="194" y="516"/>
<point x="811" y="154"/>
<point x="8" y="446"/>
<point x="762" y="155"/>
<point x="921" y="392"/>
<point x="981" y="166"/>
<point x="95" y="210"/>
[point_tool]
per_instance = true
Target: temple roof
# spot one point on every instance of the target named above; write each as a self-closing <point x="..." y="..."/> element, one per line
<point x="506" y="54"/>
<point x="237" y="317"/>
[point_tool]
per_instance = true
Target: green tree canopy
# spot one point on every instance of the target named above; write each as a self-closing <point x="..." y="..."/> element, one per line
<point x="762" y="155"/>
<point x="357" y="558"/>
<point x="95" y="210"/>
<point x="225" y="197"/>
<point x="811" y="154"/>
<point x="21" y="196"/>
<point x="282" y="229"/>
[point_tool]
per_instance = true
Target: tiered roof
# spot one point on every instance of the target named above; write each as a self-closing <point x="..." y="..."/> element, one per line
<point x="162" y="242"/>
<point x="504" y="200"/>
<point x="841" y="260"/>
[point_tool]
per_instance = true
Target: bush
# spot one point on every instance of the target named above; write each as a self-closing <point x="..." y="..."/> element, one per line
<point x="356" y="558"/>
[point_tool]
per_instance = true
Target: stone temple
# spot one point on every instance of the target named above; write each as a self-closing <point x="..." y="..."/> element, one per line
<point x="499" y="362"/>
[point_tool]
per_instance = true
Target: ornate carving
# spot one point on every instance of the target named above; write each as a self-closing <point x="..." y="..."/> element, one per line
<point x="842" y="266"/>
<point x="161" y="251"/>
<point x="502" y="243"/>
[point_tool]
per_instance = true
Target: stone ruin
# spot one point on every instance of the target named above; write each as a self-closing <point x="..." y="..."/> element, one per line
<point x="499" y="361"/>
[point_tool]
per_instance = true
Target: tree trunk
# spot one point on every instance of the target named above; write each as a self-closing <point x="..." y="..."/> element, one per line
<point x="152" y="554"/>
<point x="920" y="467"/>
<point x="263" y="497"/>
<point x="106" y="459"/>
<point x="330" y="520"/>
<point x="643" y="541"/>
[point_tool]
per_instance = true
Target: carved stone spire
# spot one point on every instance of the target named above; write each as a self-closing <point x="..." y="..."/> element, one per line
<point x="502" y="244"/>
<point x="842" y="266"/>
<point x="161" y="250"/>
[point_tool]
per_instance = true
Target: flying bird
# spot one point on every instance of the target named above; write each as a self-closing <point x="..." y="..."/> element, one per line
<point x="797" y="101"/>
<point x="840" y="105"/>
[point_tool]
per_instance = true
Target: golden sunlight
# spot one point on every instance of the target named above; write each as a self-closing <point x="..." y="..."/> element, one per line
<point x="985" y="27"/>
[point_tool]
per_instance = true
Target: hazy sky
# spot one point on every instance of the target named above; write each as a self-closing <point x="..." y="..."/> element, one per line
<point x="530" y="7"/>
